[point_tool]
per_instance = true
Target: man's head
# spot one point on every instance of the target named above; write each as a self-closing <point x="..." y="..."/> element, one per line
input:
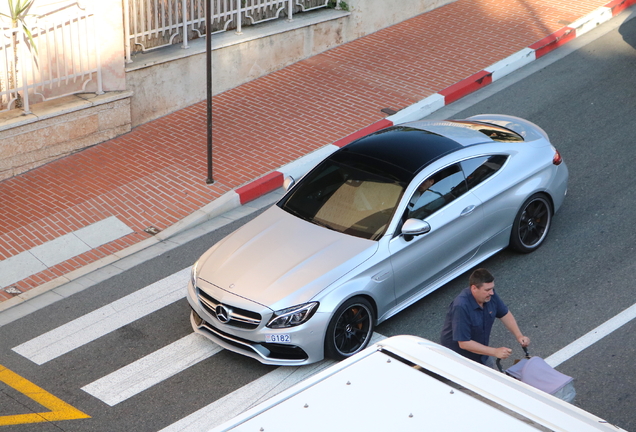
<point x="482" y="285"/>
<point x="426" y="184"/>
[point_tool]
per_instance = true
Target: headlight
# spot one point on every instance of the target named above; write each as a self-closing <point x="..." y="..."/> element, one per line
<point x="292" y="316"/>
<point x="194" y="274"/>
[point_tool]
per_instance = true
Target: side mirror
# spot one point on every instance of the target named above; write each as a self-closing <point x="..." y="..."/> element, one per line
<point x="415" y="227"/>
<point x="288" y="182"/>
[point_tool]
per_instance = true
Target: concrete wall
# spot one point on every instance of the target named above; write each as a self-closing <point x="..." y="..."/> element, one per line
<point x="368" y="16"/>
<point x="58" y="128"/>
<point x="166" y="81"/>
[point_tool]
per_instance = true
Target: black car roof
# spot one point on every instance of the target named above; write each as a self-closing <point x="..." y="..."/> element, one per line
<point x="408" y="148"/>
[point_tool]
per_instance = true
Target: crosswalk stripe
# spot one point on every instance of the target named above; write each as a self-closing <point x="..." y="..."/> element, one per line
<point x="164" y="363"/>
<point x="592" y="337"/>
<point x="250" y="395"/>
<point x="152" y="369"/>
<point x="246" y="397"/>
<point x="106" y="319"/>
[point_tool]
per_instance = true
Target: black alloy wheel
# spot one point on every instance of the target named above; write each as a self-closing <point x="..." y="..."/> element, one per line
<point x="532" y="224"/>
<point x="350" y="329"/>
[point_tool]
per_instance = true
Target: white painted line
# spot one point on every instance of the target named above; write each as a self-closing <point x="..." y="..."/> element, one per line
<point x="246" y="397"/>
<point x="152" y="369"/>
<point x="592" y="337"/>
<point x="250" y="395"/>
<point x="106" y="319"/>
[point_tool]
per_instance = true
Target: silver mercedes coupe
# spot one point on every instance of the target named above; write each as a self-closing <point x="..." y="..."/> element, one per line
<point x="373" y="228"/>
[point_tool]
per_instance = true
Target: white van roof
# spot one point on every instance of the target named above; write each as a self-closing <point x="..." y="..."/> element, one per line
<point x="406" y="383"/>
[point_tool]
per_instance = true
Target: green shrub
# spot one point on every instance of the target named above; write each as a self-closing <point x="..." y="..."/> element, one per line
<point x="332" y="4"/>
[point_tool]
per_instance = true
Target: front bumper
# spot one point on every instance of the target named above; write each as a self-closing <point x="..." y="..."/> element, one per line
<point x="307" y="344"/>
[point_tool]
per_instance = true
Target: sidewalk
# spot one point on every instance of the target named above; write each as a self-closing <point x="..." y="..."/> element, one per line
<point x="73" y="215"/>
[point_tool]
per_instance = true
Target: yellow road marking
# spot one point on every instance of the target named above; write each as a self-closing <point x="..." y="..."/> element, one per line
<point x="59" y="410"/>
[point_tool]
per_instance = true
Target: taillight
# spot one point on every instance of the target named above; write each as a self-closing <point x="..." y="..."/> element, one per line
<point x="557" y="159"/>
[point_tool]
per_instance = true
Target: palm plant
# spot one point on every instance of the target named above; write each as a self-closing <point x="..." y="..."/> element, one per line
<point x="18" y="12"/>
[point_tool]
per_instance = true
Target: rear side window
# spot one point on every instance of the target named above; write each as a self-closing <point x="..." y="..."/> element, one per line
<point x="479" y="169"/>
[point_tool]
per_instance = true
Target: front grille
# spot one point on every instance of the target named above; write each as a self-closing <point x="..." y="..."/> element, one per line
<point x="285" y="352"/>
<point x="271" y="351"/>
<point x="240" y="318"/>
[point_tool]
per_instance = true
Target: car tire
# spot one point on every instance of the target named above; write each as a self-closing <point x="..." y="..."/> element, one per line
<point x="350" y="329"/>
<point x="532" y="224"/>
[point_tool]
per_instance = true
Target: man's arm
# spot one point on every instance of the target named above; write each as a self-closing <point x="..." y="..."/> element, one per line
<point x="502" y="352"/>
<point x="477" y="348"/>
<point x="511" y="324"/>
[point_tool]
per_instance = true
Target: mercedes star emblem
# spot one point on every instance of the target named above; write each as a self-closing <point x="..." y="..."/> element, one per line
<point x="222" y="314"/>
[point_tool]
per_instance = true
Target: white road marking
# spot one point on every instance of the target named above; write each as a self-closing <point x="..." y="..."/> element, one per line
<point x="248" y="396"/>
<point x="592" y="337"/>
<point x="176" y="357"/>
<point x="106" y="319"/>
<point x="152" y="369"/>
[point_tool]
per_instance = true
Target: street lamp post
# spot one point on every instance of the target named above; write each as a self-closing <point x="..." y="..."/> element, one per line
<point x="208" y="63"/>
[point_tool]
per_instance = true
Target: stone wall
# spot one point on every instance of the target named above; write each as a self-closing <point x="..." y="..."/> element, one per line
<point x="60" y="127"/>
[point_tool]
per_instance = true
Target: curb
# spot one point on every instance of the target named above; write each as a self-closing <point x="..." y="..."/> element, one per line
<point x="513" y="62"/>
<point x="296" y="169"/>
<point x="456" y="91"/>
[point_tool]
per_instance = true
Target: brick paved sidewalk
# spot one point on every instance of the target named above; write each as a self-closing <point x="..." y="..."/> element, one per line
<point x="155" y="175"/>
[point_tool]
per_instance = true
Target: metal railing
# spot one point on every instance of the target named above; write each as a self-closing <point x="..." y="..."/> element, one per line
<point x="64" y="59"/>
<point x="152" y="24"/>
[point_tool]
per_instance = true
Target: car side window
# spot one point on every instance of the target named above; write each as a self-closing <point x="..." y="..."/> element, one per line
<point x="479" y="169"/>
<point x="436" y="191"/>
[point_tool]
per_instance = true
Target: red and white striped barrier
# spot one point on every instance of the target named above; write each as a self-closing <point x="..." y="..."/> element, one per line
<point x="421" y="109"/>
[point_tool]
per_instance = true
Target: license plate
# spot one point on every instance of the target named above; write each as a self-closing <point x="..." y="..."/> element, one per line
<point x="278" y="338"/>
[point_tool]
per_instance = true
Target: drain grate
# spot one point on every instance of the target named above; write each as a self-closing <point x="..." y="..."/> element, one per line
<point x="389" y="111"/>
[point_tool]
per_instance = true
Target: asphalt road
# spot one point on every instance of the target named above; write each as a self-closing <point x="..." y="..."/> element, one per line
<point x="580" y="278"/>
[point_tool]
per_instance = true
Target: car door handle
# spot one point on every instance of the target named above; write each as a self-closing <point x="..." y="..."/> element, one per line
<point x="468" y="210"/>
<point x="381" y="276"/>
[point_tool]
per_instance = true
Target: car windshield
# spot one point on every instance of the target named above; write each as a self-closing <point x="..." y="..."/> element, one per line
<point x="352" y="198"/>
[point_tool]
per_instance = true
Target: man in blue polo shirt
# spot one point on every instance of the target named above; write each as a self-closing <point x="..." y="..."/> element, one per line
<point x="470" y="318"/>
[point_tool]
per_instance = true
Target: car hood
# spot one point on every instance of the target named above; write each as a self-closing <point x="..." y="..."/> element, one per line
<point x="279" y="260"/>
